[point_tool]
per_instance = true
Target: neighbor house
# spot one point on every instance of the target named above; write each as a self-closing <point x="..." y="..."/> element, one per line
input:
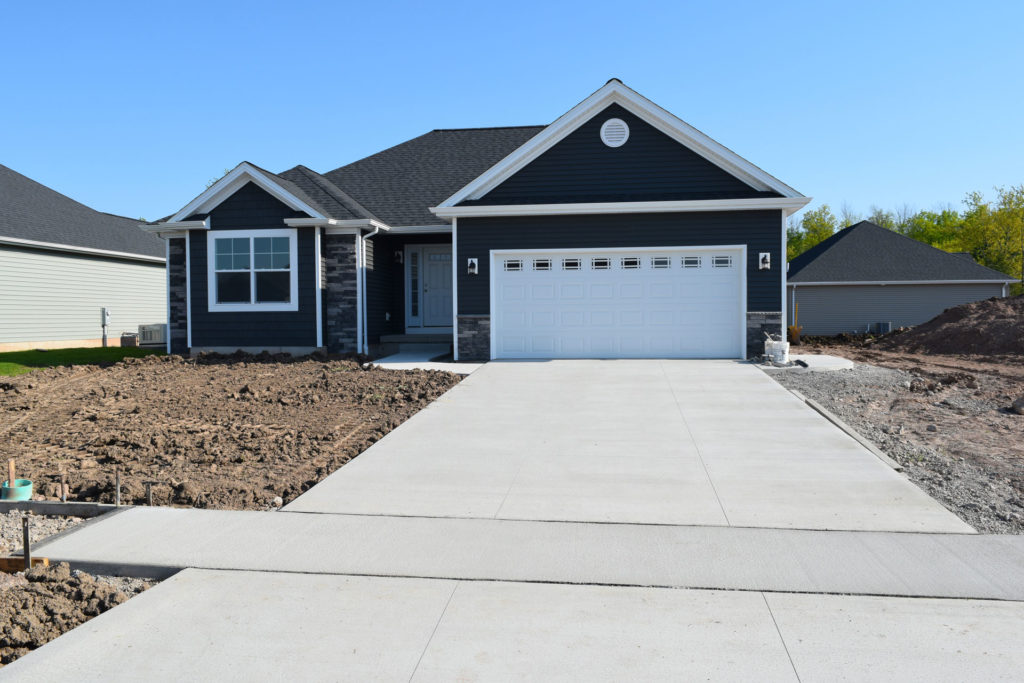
<point x="61" y="263"/>
<point x="866" y="278"/>
<point x="617" y="231"/>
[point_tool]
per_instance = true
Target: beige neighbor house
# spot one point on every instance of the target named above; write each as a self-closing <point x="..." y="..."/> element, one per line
<point x="61" y="263"/>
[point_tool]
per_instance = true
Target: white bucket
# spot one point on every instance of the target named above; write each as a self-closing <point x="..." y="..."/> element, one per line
<point x="780" y="352"/>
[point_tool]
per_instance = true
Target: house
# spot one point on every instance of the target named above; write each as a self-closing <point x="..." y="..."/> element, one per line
<point x="865" y="278"/>
<point x="616" y="231"/>
<point x="61" y="263"/>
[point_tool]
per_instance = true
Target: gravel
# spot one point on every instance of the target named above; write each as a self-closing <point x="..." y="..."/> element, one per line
<point x="39" y="528"/>
<point x="953" y="435"/>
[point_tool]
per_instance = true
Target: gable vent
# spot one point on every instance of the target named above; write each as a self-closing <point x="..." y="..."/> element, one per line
<point x="614" y="132"/>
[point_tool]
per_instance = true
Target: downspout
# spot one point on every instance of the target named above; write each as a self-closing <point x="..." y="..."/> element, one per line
<point x="366" y="336"/>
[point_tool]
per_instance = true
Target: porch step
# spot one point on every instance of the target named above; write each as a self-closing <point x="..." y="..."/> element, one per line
<point x="443" y="338"/>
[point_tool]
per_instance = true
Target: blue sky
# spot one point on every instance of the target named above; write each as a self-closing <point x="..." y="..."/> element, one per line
<point x="133" y="107"/>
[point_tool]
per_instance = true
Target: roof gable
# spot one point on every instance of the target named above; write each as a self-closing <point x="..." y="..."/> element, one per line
<point x="283" y="190"/>
<point x="36" y="215"/>
<point x="649" y="166"/>
<point x="866" y="252"/>
<point x="614" y="92"/>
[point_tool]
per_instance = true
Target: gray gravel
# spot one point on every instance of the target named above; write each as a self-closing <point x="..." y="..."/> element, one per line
<point x="928" y="429"/>
<point x="40" y="527"/>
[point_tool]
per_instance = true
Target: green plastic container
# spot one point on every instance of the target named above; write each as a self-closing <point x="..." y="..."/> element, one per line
<point x="22" y="490"/>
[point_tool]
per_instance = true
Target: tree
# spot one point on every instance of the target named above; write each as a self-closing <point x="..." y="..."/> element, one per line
<point x="847" y="216"/>
<point x="882" y="218"/>
<point x="994" y="234"/>
<point x="938" y="228"/>
<point x="816" y="226"/>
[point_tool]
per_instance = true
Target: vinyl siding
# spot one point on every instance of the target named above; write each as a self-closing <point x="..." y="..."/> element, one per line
<point x="835" y="309"/>
<point x="650" y="166"/>
<point x="385" y="282"/>
<point x="53" y="296"/>
<point x="252" y="208"/>
<point x="759" y="230"/>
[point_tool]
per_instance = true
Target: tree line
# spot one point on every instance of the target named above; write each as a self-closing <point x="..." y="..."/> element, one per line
<point x="992" y="232"/>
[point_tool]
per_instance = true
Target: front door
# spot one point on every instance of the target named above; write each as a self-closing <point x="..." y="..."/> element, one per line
<point x="437" y="286"/>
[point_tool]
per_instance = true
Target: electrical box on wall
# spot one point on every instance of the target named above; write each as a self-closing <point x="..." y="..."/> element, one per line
<point x="471" y="266"/>
<point x="764" y="261"/>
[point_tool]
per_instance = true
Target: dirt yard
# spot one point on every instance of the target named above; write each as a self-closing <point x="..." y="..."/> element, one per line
<point x="946" y="419"/>
<point x="235" y="432"/>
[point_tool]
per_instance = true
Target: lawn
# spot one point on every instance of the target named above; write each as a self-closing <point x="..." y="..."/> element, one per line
<point x="19" y="362"/>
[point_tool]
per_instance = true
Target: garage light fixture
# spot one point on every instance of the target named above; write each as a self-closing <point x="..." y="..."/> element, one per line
<point x="472" y="266"/>
<point x="764" y="261"/>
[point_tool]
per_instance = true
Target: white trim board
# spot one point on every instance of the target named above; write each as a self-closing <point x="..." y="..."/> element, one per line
<point x="614" y="92"/>
<point x="788" y="206"/>
<point x="231" y="183"/>
<point x="900" y="282"/>
<point x="53" y="246"/>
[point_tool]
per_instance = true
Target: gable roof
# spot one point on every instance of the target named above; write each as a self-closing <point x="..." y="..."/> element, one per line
<point x="615" y="92"/>
<point x="399" y="184"/>
<point x="33" y="213"/>
<point x="866" y="252"/>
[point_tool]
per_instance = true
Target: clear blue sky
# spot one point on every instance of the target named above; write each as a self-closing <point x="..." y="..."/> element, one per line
<point x="132" y="107"/>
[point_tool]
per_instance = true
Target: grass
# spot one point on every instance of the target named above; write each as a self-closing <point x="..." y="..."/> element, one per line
<point x="19" y="362"/>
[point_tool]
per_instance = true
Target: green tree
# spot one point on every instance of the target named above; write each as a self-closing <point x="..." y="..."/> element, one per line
<point x="816" y="226"/>
<point x="882" y="218"/>
<point x="994" y="233"/>
<point x="938" y="228"/>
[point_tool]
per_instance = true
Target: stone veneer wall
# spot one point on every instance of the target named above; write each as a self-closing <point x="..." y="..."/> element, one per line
<point x="340" y="305"/>
<point x="177" y="327"/>
<point x="474" y="337"/>
<point x="759" y="322"/>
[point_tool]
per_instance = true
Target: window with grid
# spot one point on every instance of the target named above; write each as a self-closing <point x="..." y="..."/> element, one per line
<point x="254" y="270"/>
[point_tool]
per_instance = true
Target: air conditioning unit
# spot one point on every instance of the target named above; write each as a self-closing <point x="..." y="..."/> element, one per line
<point x="153" y="335"/>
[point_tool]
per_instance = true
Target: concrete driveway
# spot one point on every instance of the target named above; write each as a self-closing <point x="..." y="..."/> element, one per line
<point x="628" y="441"/>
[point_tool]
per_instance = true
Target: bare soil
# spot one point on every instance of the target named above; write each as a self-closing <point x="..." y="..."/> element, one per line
<point x="994" y="327"/>
<point x="947" y="419"/>
<point x="41" y="604"/>
<point x="231" y="432"/>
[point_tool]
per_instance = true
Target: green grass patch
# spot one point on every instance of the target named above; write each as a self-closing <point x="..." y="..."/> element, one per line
<point x="19" y="362"/>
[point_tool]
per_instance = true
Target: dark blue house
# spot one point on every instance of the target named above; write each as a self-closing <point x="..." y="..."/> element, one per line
<point x="618" y="231"/>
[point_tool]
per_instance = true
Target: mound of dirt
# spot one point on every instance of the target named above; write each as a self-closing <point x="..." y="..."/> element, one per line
<point x="990" y="327"/>
<point x="45" y="602"/>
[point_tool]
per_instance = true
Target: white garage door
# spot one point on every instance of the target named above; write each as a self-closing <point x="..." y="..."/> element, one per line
<point x="646" y="303"/>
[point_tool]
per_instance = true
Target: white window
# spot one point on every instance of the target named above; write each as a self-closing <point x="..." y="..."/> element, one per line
<point x="721" y="261"/>
<point x="600" y="263"/>
<point x="542" y="264"/>
<point x="691" y="262"/>
<point x="570" y="264"/>
<point x="252" y="270"/>
<point x="513" y="264"/>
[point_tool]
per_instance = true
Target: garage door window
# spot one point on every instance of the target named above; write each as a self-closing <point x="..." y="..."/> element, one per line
<point x="721" y="262"/>
<point x="630" y="263"/>
<point x="660" y="262"/>
<point x="600" y="263"/>
<point x="513" y="265"/>
<point x="542" y="264"/>
<point x="571" y="264"/>
<point x="691" y="262"/>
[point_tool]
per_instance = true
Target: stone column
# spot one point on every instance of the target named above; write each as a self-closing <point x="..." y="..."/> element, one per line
<point x="474" y="337"/>
<point x="759" y="322"/>
<point x="340" y="304"/>
<point x="177" y="328"/>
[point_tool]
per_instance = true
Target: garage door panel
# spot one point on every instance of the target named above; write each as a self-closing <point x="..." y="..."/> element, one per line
<point x="633" y="305"/>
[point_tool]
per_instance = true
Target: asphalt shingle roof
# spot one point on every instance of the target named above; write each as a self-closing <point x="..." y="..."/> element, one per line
<point x="399" y="184"/>
<point x="32" y="211"/>
<point x="865" y="252"/>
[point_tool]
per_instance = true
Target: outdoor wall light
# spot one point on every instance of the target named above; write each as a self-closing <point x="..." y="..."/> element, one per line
<point x="471" y="266"/>
<point x="764" y="261"/>
<point x="399" y="256"/>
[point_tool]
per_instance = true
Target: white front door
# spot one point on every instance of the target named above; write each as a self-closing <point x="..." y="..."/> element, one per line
<point x="619" y="303"/>
<point x="429" y="283"/>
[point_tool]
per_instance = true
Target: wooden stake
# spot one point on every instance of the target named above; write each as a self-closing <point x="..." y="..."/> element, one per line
<point x="149" y="493"/>
<point x="25" y="541"/>
<point x="117" y="486"/>
<point x="10" y="473"/>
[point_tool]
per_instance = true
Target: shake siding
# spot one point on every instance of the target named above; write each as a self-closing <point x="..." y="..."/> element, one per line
<point x="759" y="230"/>
<point x="835" y="309"/>
<point x="252" y="208"/>
<point x="53" y="296"/>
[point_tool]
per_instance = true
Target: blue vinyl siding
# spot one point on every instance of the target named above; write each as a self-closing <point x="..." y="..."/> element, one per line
<point x="251" y="208"/>
<point x="761" y="231"/>
<point x="650" y="166"/>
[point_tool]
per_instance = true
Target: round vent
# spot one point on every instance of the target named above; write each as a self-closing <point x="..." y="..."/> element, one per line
<point x="614" y="132"/>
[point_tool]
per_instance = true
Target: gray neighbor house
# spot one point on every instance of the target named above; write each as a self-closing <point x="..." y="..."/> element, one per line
<point x="866" y="278"/>
<point x="62" y="262"/>
<point x="617" y="231"/>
